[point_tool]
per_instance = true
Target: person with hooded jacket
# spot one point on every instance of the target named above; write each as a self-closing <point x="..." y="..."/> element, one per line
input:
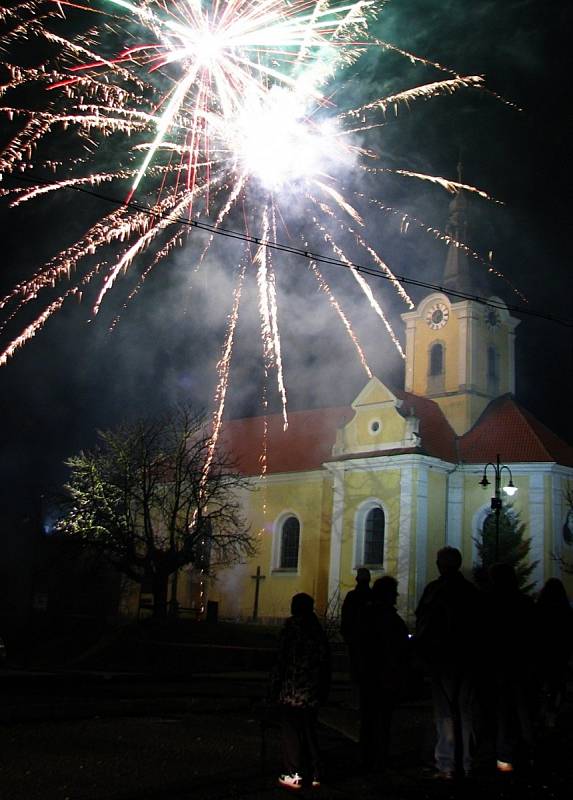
<point x="300" y="682"/>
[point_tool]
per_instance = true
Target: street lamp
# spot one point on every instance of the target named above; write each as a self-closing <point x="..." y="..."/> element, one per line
<point x="509" y="490"/>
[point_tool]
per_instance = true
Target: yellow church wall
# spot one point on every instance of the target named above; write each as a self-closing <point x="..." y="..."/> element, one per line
<point x="304" y="497"/>
<point x="476" y="498"/>
<point x="408" y="605"/>
<point x="425" y="338"/>
<point x="392" y="426"/>
<point x="321" y="593"/>
<point x="374" y="404"/>
<point x="436" y="520"/>
<point x="360" y="486"/>
<point x="462" y="410"/>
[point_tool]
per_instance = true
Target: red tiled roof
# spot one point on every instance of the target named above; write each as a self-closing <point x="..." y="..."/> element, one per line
<point x="305" y="445"/>
<point x="508" y="429"/>
<point x="504" y="428"/>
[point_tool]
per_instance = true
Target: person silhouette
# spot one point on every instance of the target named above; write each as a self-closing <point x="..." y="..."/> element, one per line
<point x="353" y="607"/>
<point x="510" y="644"/>
<point x="384" y="656"/>
<point x="554" y="624"/>
<point x="300" y="682"/>
<point x="448" y="639"/>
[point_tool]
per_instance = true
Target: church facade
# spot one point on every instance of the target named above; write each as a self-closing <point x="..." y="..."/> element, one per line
<point x="389" y="480"/>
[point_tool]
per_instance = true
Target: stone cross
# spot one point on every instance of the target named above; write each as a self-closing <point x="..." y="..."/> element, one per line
<point x="258" y="578"/>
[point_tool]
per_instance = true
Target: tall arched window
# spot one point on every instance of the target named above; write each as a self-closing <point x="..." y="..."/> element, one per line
<point x="492" y="369"/>
<point x="289" y="542"/>
<point x="437" y="359"/>
<point x="374" y="525"/>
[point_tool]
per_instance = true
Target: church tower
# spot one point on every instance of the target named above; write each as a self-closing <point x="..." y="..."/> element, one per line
<point x="460" y="352"/>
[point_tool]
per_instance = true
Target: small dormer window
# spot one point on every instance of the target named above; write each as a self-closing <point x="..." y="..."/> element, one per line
<point x="374" y="426"/>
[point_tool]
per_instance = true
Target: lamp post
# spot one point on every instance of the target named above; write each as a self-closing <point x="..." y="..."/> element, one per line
<point x="509" y="490"/>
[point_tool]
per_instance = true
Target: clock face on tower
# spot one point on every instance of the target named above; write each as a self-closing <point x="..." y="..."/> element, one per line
<point x="437" y="316"/>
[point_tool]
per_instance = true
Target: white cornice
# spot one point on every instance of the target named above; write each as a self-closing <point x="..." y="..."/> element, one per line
<point x="391" y="462"/>
<point x="523" y="468"/>
<point x="316" y="475"/>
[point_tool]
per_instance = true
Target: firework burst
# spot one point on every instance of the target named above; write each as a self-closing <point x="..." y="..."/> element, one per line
<point x="210" y="109"/>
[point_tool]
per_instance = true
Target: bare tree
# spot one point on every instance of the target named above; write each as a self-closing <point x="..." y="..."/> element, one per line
<point x="154" y="496"/>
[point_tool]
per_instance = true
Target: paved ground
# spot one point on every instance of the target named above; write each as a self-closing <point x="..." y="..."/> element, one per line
<point x="109" y="738"/>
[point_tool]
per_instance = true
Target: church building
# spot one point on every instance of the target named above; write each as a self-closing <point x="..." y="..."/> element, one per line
<point x="387" y="481"/>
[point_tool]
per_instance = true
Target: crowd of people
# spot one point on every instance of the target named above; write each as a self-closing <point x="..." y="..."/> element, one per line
<point x="496" y="660"/>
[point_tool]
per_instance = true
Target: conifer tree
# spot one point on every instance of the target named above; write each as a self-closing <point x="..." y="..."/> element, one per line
<point x="512" y="547"/>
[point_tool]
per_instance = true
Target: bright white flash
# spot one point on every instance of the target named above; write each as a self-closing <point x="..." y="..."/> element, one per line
<point x="276" y="141"/>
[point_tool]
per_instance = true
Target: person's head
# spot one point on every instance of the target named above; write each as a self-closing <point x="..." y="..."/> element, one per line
<point x="301" y="605"/>
<point x="362" y="576"/>
<point x="449" y="560"/>
<point x="385" y="590"/>
<point x="503" y="578"/>
<point x="553" y="593"/>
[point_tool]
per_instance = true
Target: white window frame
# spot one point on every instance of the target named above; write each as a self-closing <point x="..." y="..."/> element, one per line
<point x="277" y="544"/>
<point x="360" y="529"/>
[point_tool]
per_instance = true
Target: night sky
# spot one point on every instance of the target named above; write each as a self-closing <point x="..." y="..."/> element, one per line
<point x="75" y="377"/>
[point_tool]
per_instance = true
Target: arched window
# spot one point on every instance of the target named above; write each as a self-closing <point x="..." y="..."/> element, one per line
<point x="492" y="369"/>
<point x="374" y="525"/>
<point x="289" y="541"/>
<point x="492" y="365"/>
<point x="437" y="359"/>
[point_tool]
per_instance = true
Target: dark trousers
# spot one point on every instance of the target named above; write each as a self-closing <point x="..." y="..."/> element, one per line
<point x="453" y="694"/>
<point x="514" y="718"/>
<point x="300" y="741"/>
<point x="376" y="710"/>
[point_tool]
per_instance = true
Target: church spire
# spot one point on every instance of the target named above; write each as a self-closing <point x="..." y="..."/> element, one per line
<point x="456" y="271"/>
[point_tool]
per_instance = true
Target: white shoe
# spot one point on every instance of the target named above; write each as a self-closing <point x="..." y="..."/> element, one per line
<point x="293" y="781"/>
<point x="504" y="766"/>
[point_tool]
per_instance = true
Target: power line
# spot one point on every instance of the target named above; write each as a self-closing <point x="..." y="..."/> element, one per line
<point x="301" y="253"/>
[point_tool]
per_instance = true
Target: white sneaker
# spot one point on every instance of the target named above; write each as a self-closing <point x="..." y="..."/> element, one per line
<point x="504" y="766"/>
<point x="293" y="781"/>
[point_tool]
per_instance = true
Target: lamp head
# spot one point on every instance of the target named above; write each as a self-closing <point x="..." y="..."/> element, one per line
<point x="484" y="481"/>
<point x="510" y="489"/>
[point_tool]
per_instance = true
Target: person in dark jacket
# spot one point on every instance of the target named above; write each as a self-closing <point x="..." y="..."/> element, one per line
<point x="554" y="624"/>
<point x="299" y="684"/>
<point x="448" y="625"/>
<point x="384" y="656"/>
<point x="352" y="611"/>
<point x="511" y="650"/>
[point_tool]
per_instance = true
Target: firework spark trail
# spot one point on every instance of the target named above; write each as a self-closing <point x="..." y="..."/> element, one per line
<point x="407" y="219"/>
<point x="232" y="199"/>
<point x="373" y="254"/>
<point x="25" y="195"/>
<point x="267" y="311"/>
<point x="453" y="187"/>
<point x="361" y="282"/>
<point x="30" y="331"/>
<point x="138" y="247"/>
<point x="113" y="228"/>
<point x="273" y="308"/>
<point x="232" y="101"/>
<point x="223" y="369"/>
<point x="425" y="92"/>
<point x="345" y="321"/>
